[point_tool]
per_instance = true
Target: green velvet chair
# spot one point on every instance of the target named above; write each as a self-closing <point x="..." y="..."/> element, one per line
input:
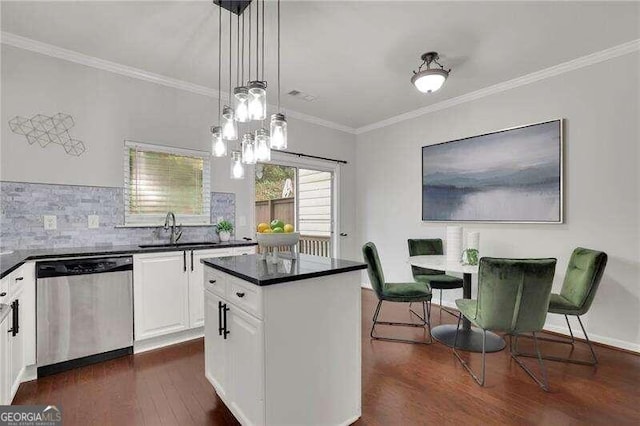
<point x="584" y="272"/>
<point x="513" y="297"/>
<point x="396" y="292"/>
<point x="437" y="280"/>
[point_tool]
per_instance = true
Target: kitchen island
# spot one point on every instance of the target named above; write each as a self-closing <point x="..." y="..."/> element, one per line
<point x="282" y="340"/>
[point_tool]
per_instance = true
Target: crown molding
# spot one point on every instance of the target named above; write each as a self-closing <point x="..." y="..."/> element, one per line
<point x="574" y="64"/>
<point x="25" y="43"/>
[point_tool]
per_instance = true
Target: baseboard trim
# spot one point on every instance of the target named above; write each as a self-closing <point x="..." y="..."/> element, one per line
<point x="603" y="341"/>
<point x="141" y="346"/>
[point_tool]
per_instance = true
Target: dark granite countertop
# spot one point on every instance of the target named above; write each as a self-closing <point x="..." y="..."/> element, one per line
<point x="256" y="270"/>
<point x="10" y="262"/>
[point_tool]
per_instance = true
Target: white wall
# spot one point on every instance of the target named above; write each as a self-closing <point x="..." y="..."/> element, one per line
<point x="602" y="188"/>
<point x="109" y="108"/>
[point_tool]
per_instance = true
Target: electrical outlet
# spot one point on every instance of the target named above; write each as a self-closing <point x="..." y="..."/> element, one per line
<point x="50" y="222"/>
<point x="94" y="221"/>
<point x="242" y="221"/>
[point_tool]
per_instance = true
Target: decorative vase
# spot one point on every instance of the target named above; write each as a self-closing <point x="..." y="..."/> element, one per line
<point x="224" y="236"/>
<point x="470" y="257"/>
<point x="454" y="243"/>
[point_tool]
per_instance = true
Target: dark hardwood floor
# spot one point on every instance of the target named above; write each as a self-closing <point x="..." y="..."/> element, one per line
<point x="402" y="385"/>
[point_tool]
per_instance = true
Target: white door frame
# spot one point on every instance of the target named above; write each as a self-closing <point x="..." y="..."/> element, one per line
<point x="320" y="165"/>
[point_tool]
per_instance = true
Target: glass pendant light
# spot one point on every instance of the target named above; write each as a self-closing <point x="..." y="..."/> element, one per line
<point x="278" y="131"/>
<point x="237" y="168"/>
<point x="218" y="144"/>
<point x="241" y="104"/>
<point x="278" y="120"/>
<point x="263" y="151"/>
<point x="229" y="125"/>
<point x="257" y="100"/>
<point x="248" y="149"/>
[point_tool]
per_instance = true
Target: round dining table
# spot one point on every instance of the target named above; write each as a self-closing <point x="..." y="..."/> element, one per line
<point x="469" y="338"/>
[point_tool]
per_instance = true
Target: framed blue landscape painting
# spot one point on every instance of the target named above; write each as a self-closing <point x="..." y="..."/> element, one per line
<point x="512" y="175"/>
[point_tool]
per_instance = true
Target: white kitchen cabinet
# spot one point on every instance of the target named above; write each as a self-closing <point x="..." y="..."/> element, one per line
<point x="16" y="333"/>
<point x="5" y="361"/>
<point x="292" y="353"/>
<point x="244" y="250"/>
<point x="215" y="348"/>
<point x="245" y="365"/>
<point x="168" y="290"/>
<point x="196" y="289"/>
<point x="160" y="294"/>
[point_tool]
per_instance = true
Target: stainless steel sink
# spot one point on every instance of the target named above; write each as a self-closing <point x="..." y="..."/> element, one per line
<point x="197" y="243"/>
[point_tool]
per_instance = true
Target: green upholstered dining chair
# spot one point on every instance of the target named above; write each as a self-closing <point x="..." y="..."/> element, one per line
<point x="396" y="292"/>
<point x="437" y="280"/>
<point x="584" y="272"/>
<point x="513" y="297"/>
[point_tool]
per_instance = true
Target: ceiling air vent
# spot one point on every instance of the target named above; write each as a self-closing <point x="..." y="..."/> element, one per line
<point x="302" y="96"/>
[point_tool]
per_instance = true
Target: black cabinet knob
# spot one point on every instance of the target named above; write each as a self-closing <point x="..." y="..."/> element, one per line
<point x="3" y="294"/>
<point x="212" y="281"/>
<point x="19" y="278"/>
<point x="239" y="294"/>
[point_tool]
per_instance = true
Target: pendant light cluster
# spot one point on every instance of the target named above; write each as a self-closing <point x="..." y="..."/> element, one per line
<point x="247" y="102"/>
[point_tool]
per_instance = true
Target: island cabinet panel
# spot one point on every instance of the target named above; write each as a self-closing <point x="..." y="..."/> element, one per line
<point x="246" y="366"/>
<point x="292" y="352"/>
<point x="161" y="303"/>
<point x="215" y="347"/>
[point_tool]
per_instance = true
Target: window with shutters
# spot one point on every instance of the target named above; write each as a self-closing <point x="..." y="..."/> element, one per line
<point x="160" y="179"/>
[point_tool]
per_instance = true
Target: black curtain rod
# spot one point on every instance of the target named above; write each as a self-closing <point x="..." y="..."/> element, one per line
<point x="298" y="154"/>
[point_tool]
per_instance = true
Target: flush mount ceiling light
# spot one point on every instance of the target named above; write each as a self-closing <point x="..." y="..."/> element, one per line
<point x="430" y="79"/>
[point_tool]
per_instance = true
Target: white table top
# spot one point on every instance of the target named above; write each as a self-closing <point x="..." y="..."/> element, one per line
<point x="440" y="263"/>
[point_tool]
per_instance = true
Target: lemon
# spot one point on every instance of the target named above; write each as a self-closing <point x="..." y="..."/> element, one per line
<point x="263" y="226"/>
<point x="267" y="231"/>
<point x="288" y="227"/>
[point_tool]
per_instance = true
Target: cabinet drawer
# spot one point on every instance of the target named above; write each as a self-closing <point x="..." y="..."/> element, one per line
<point x="215" y="282"/>
<point x="244" y="250"/>
<point x="245" y="295"/>
<point x="4" y="289"/>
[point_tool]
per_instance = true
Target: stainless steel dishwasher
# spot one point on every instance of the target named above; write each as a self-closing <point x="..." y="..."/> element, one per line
<point x="84" y="312"/>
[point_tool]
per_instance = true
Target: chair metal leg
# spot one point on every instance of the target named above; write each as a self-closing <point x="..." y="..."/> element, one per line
<point x="425" y="320"/>
<point x="571" y="342"/>
<point x="544" y="384"/>
<point x="443" y="309"/>
<point x="479" y="381"/>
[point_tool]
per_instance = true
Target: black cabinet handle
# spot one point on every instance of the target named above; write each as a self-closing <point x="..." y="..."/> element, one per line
<point x="239" y="294"/>
<point x="184" y="261"/>
<point x="244" y="254"/>
<point x="212" y="281"/>
<point x="3" y="294"/>
<point x="343" y="234"/>
<point x="226" y="332"/>
<point x="220" y="328"/>
<point x="15" y="318"/>
<point x="191" y="260"/>
<point x="19" y="278"/>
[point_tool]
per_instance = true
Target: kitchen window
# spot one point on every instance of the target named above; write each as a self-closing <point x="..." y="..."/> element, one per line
<point x="160" y="179"/>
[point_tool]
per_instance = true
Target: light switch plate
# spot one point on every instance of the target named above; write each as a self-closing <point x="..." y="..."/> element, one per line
<point x="50" y="222"/>
<point x="94" y="221"/>
<point x="242" y="221"/>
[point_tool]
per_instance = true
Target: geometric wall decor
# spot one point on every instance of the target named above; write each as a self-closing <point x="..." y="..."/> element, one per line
<point x="45" y="130"/>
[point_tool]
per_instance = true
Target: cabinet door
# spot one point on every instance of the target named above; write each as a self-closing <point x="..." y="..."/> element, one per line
<point x="215" y="346"/>
<point x="161" y="294"/>
<point x="25" y="277"/>
<point x="16" y="343"/>
<point x="5" y="362"/>
<point x="246" y="366"/>
<point x="196" y="284"/>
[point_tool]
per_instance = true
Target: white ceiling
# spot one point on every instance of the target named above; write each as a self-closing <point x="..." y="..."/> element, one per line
<point x="355" y="56"/>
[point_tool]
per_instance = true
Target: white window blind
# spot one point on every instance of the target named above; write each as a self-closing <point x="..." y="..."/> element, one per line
<point x="159" y="179"/>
